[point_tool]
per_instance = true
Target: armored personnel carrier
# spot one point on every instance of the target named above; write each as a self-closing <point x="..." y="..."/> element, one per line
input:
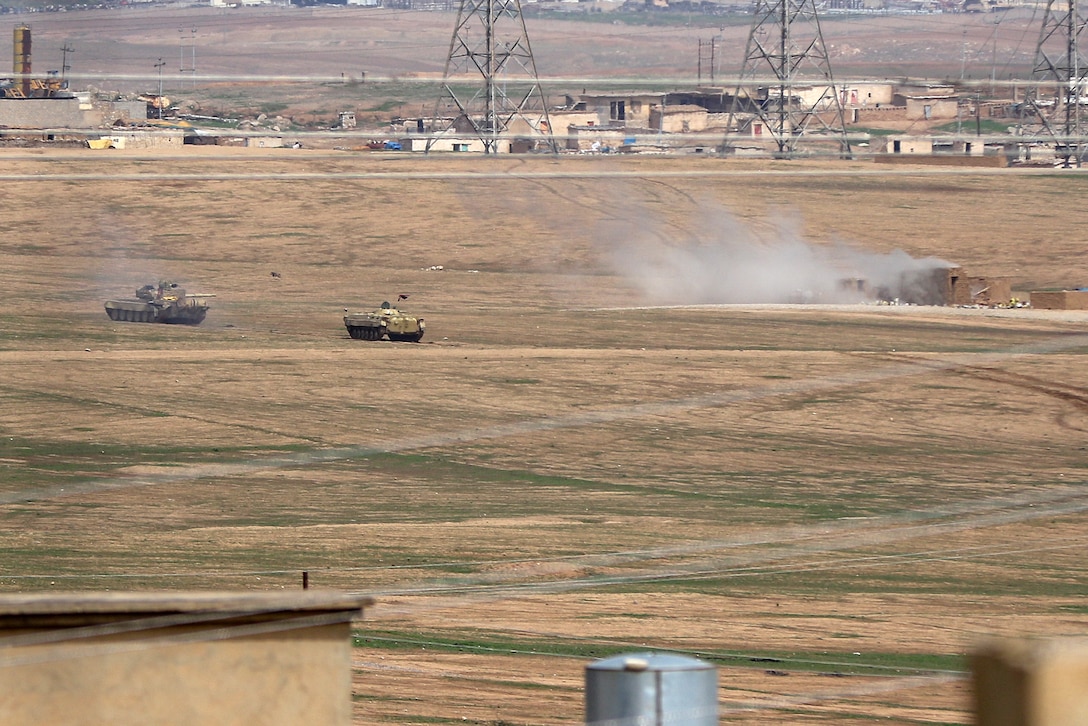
<point x="162" y="303"/>
<point x="385" y="322"/>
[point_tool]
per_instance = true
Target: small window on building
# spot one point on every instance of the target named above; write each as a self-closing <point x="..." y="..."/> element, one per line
<point x="636" y="106"/>
<point x="618" y="111"/>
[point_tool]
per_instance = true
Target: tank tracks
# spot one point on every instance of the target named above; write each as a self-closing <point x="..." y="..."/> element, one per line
<point x="365" y="332"/>
<point x="368" y="332"/>
<point x="131" y="316"/>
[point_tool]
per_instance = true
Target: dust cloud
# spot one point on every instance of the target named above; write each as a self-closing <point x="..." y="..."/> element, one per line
<point x="125" y="261"/>
<point x="731" y="262"/>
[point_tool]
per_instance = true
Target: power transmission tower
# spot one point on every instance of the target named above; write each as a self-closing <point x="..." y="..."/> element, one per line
<point x="1053" y="107"/>
<point x="786" y="87"/>
<point x="490" y="86"/>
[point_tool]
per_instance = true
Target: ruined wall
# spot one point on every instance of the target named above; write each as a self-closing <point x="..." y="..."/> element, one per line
<point x="974" y="290"/>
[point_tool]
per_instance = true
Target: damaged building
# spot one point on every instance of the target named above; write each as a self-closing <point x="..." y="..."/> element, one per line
<point x="936" y="285"/>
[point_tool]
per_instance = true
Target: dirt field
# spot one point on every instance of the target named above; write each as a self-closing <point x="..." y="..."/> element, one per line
<point x="834" y="503"/>
<point x="589" y="453"/>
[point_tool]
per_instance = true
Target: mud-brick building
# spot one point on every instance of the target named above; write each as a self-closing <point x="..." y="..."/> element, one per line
<point x="1059" y="299"/>
<point x="939" y="285"/>
<point x="630" y="110"/>
<point x="979" y="290"/>
<point x="678" y="119"/>
<point x="927" y="108"/>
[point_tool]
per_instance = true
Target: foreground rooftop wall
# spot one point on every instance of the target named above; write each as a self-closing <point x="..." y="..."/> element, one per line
<point x="176" y="658"/>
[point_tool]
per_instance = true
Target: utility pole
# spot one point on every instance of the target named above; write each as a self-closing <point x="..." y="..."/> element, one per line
<point x="713" y="45"/>
<point x="64" y="67"/>
<point x="712" y="60"/>
<point x="993" y="55"/>
<point x="159" y="66"/>
<point x="699" y="68"/>
<point x="802" y="101"/>
<point x="963" y="55"/>
<point x="192" y="45"/>
<point x="490" y="86"/>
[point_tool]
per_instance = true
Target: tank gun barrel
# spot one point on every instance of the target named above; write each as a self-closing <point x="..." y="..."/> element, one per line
<point x="200" y="294"/>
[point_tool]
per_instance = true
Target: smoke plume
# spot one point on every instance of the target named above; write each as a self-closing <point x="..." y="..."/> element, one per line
<point x="733" y="263"/>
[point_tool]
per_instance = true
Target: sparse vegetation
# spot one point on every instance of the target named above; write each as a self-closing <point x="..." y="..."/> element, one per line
<point x="575" y="481"/>
<point x="557" y="472"/>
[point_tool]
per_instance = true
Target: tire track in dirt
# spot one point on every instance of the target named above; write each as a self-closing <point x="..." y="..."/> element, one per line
<point x="1067" y="393"/>
<point x="84" y="401"/>
<point x="676" y="190"/>
<point x="616" y="213"/>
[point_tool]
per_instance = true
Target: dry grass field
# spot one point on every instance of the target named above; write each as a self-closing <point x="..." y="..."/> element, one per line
<point x="588" y="453"/>
<point x="833" y="503"/>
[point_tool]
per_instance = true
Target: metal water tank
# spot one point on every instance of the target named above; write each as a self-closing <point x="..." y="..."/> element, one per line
<point x="651" y="689"/>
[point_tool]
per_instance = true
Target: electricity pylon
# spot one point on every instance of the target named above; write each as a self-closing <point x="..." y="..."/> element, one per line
<point x="1054" y="105"/>
<point x="490" y="86"/>
<point x="786" y="87"/>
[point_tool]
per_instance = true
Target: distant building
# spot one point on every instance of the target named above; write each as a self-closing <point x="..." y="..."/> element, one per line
<point x="678" y="119"/>
<point x="622" y="109"/>
<point x="925" y="108"/>
<point x="1059" y="299"/>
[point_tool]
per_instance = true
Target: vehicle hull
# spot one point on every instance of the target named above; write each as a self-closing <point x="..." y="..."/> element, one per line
<point x="386" y="322"/>
<point x="138" y="311"/>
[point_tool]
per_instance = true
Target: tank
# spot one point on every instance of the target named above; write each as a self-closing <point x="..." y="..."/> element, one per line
<point x="161" y="303"/>
<point x="385" y="322"/>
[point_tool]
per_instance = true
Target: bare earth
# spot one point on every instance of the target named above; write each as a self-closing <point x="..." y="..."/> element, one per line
<point x="834" y="503"/>
<point x="588" y="453"/>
